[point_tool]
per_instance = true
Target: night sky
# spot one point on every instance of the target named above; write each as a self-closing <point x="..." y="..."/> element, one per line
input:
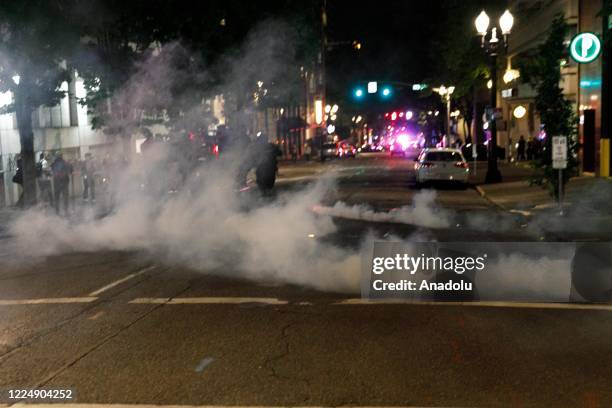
<point x="394" y="37"/>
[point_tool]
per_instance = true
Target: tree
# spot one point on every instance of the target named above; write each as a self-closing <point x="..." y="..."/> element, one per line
<point x="35" y="38"/>
<point x="557" y="114"/>
<point x="458" y="59"/>
<point x="209" y="48"/>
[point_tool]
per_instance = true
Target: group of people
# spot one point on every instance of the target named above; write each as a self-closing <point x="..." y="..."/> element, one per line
<point x="53" y="179"/>
<point x="526" y="149"/>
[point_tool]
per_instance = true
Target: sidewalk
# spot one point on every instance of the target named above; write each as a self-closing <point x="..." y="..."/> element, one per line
<point x="587" y="206"/>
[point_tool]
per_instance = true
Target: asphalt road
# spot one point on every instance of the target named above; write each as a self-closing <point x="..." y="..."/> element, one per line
<point x="123" y="328"/>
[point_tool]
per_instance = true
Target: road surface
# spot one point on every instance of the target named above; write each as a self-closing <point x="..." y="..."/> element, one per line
<point x="122" y="328"/>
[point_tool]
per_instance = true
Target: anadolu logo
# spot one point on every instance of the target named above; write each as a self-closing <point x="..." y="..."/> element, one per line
<point x="585" y="48"/>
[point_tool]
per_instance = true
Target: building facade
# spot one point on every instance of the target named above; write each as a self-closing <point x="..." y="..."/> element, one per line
<point x="582" y="83"/>
<point x="64" y="128"/>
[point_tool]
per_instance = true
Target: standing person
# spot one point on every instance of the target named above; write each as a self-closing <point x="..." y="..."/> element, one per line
<point x="43" y="174"/>
<point x="89" y="182"/>
<point x="307" y="150"/>
<point x="530" y="148"/>
<point x="62" y="170"/>
<point x="509" y="151"/>
<point x="520" y="150"/>
<point x="18" y="179"/>
<point x="293" y="150"/>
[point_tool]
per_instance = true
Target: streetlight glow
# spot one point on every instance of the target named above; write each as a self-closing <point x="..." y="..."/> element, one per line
<point x="519" y="112"/>
<point x="482" y="23"/>
<point x="506" y="21"/>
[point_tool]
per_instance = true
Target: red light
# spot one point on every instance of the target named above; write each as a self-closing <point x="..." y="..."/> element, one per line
<point x="394" y="116"/>
<point x="401" y="114"/>
<point x="191" y="136"/>
<point x="387" y="115"/>
<point x="461" y="165"/>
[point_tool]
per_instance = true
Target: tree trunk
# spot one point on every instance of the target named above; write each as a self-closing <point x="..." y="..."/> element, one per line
<point x="26" y="138"/>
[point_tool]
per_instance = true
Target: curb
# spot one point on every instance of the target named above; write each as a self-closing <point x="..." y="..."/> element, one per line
<point x="484" y="195"/>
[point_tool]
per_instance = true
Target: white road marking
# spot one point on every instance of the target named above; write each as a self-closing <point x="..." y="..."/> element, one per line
<point x="209" y="300"/>
<point x="120" y="281"/>
<point x="518" y="305"/>
<point x="47" y="301"/>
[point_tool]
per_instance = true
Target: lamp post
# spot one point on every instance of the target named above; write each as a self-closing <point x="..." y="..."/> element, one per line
<point x="446" y="93"/>
<point x="492" y="45"/>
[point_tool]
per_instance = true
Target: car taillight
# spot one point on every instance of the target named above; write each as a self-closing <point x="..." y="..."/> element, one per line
<point x="462" y="165"/>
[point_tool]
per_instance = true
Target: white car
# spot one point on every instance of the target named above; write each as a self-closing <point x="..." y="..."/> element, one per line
<point x="441" y="164"/>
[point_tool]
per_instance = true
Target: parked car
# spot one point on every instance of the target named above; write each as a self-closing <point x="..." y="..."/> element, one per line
<point x="441" y="164"/>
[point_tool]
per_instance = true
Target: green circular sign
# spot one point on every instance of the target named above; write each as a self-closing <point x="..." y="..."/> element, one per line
<point x="585" y="48"/>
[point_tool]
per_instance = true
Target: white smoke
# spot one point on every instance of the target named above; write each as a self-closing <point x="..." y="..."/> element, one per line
<point x="423" y="212"/>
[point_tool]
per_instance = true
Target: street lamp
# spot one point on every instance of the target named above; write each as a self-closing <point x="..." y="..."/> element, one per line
<point x="492" y="45"/>
<point x="446" y="93"/>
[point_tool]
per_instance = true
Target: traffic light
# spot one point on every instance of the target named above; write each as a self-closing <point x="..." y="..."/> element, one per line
<point x="358" y="93"/>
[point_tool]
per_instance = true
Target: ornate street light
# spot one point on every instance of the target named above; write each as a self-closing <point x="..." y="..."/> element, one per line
<point x="446" y="93"/>
<point x="493" y="46"/>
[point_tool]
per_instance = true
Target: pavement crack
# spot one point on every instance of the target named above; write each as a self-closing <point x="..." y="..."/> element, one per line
<point x="107" y="339"/>
<point x="270" y="361"/>
<point x="87" y="308"/>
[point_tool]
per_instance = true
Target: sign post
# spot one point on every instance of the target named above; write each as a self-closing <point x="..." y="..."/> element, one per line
<point x="559" y="162"/>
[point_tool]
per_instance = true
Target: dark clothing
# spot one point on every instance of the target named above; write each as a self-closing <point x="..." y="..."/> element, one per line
<point x="45" y="189"/>
<point x="520" y="151"/>
<point x="89" y="187"/>
<point x="61" y="189"/>
<point x="62" y="171"/>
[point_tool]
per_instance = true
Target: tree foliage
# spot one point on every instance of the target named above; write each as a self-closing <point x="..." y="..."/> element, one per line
<point x="35" y="39"/>
<point x="458" y="58"/>
<point x="557" y="114"/>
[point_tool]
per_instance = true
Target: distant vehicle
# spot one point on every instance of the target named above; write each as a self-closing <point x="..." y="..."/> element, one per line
<point x="330" y="151"/>
<point x="397" y="149"/>
<point x="365" y="148"/>
<point x="346" y="150"/>
<point x="441" y="164"/>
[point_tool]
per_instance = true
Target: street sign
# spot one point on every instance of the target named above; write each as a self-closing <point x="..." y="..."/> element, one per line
<point x="559" y="152"/>
<point x="585" y="48"/>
